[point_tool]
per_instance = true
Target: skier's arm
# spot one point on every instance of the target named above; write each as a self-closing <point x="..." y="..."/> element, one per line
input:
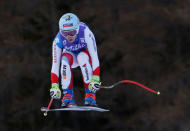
<point x="92" y="49"/>
<point x="56" y="57"/>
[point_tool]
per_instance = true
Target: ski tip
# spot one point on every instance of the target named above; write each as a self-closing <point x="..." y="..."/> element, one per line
<point x="158" y="93"/>
<point x="43" y="109"/>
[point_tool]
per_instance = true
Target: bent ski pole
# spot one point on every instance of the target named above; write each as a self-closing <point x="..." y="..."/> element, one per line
<point x="133" y="82"/>
<point x="45" y="113"/>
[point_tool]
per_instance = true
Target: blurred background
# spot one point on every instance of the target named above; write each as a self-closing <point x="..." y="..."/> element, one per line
<point x="145" y="41"/>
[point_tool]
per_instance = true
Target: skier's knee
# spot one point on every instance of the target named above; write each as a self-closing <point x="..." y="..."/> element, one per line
<point x="82" y="58"/>
<point x="68" y="58"/>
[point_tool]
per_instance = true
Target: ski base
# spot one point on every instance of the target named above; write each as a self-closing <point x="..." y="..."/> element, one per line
<point x="76" y="108"/>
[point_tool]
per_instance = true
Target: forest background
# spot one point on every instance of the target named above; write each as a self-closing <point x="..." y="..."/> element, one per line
<point x="145" y="41"/>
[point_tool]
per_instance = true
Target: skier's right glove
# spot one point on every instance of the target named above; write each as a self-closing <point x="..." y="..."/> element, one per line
<point x="55" y="92"/>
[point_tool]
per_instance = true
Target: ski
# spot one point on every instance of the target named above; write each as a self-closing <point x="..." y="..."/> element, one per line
<point x="76" y="108"/>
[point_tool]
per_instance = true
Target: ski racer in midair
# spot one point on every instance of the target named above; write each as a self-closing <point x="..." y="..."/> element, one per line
<point x="73" y="46"/>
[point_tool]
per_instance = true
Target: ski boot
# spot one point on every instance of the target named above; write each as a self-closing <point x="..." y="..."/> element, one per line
<point x="90" y="98"/>
<point x="68" y="98"/>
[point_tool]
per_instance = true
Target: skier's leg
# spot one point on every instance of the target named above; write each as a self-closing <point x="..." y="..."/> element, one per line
<point x="84" y="62"/>
<point x="67" y="79"/>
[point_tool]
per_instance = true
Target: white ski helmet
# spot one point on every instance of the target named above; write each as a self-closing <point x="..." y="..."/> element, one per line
<point x="69" y="21"/>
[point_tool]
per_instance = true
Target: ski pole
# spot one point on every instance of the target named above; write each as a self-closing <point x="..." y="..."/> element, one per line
<point x="133" y="82"/>
<point x="45" y="113"/>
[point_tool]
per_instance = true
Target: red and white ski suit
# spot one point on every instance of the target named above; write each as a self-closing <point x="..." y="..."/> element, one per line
<point x="82" y="52"/>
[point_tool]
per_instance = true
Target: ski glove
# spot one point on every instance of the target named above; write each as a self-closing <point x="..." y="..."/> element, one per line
<point x="55" y="92"/>
<point x="95" y="84"/>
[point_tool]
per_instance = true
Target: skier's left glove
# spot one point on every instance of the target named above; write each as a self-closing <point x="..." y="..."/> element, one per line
<point x="55" y="92"/>
<point x="95" y="84"/>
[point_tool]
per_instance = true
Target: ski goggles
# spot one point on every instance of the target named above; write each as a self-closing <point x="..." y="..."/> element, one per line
<point x="69" y="33"/>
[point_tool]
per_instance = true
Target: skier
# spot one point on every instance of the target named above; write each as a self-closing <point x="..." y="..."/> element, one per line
<point x="73" y="46"/>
